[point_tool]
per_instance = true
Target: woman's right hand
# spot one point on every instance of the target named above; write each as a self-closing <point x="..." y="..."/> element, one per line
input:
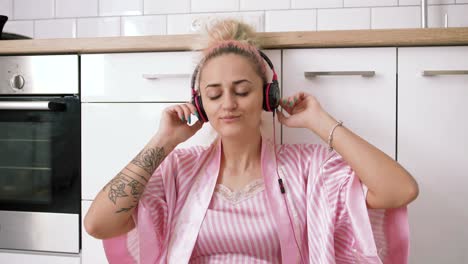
<point x="173" y="125"/>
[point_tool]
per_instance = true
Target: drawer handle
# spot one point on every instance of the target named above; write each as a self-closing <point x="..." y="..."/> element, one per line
<point x="312" y="74"/>
<point x="165" y="75"/>
<point x="444" y="72"/>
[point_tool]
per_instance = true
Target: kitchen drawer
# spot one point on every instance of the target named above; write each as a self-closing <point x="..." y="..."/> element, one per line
<point x="114" y="133"/>
<point x="21" y="257"/>
<point x="92" y="251"/>
<point x="137" y="77"/>
<point x="432" y="146"/>
<point x="366" y="104"/>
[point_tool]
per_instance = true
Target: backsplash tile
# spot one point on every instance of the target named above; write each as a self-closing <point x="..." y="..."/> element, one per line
<point x="143" y="25"/>
<point x="343" y="19"/>
<point x="264" y="4"/>
<point x="384" y="17"/>
<point x="191" y="23"/>
<point x="316" y="4"/>
<point x="98" y="27"/>
<point x="6" y="8"/>
<point x="94" y="18"/>
<point x="298" y="20"/>
<point x="214" y="6"/>
<point x="74" y="8"/>
<point x="120" y="7"/>
<point x="33" y="9"/>
<point x="166" y="7"/>
<point x="367" y="3"/>
<point x="56" y="28"/>
<point x="23" y="27"/>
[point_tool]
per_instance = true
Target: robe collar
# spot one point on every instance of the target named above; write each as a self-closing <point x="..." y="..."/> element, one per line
<point x="185" y="232"/>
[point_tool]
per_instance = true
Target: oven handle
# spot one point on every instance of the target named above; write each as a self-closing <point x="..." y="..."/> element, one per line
<point x="35" y="105"/>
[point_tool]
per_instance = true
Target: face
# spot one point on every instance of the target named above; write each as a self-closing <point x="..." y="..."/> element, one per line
<point x="231" y="92"/>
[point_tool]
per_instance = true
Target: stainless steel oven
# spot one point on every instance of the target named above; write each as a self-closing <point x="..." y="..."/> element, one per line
<point x="40" y="176"/>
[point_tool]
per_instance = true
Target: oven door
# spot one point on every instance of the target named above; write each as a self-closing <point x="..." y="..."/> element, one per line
<point x="40" y="179"/>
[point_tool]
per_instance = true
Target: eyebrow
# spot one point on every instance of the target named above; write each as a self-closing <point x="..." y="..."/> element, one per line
<point x="234" y="82"/>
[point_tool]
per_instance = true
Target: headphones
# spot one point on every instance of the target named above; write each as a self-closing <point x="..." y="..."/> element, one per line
<point x="271" y="92"/>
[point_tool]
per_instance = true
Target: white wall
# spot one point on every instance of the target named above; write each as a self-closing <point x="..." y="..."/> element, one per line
<point x="102" y="18"/>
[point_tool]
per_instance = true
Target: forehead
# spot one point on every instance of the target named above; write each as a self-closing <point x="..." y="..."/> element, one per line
<point x="227" y="66"/>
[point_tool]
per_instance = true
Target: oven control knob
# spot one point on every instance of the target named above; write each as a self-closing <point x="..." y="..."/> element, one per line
<point x="17" y="82"/>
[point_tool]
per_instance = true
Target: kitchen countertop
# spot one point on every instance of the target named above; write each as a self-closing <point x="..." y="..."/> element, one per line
<point x="271" y="40"/>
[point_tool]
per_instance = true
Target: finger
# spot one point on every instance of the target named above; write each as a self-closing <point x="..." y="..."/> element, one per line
<point x="187" y="112"/>
<point x="282" y="118"/>
<point x="193" y="109"/>
<point x="177" y="111"/>
<point x="196" y="126"/>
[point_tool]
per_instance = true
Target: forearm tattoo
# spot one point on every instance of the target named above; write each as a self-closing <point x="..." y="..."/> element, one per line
<point x="116" y="189"/>
<point x="149" y="159"/>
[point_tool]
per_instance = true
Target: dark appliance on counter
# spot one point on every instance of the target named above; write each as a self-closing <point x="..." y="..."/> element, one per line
<point x="40" y="153"/>
<point x="6" y="35"/>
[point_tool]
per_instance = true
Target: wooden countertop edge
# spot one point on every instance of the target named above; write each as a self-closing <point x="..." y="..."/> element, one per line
<point x="269" y="40"/>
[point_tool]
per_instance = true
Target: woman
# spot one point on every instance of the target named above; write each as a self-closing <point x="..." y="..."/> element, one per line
<point x="222" y="203"/>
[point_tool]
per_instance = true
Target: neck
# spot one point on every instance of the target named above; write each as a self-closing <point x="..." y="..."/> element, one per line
<point x="241" y="154"/>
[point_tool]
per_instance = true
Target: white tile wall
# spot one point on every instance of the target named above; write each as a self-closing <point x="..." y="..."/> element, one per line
<point x="366" y="3"/>
<point x="343" y="19"/>
<point x="384" y="17"/>
<point x="33" y="9"/>
<point x="6" y="8"/>
<point x="20" y="27"/>
<point x="298" y="20"/>
<point x="214" y="5"/>
<point x="458" y="16"/>
<point x="143" y="25"/>
<point x="430" y="2"/>
<point x="166" y="7"/>
<point x="94" y="18"/>
<point x="98" y="27"/>
<point x="316" y="3"/>
<point x="120" y="7"/>
<point x="190" y="23"/>
<point x="264" y="4"/>
<point x="56" y="28"/>
<point x="74" y="8"/>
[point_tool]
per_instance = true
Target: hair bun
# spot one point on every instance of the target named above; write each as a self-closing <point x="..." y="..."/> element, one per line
<point x="226" y="29"/>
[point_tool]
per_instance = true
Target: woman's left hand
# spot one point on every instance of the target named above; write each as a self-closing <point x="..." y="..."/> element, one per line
<point x="303" y="110"/>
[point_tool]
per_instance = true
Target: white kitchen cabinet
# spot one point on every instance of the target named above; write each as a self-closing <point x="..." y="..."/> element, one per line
<point x="432" y="146"/>
<point x="366" y="104"/>
<point x="137" y="77"/>
<point x="92" y="250"/>
<point x="22" y="257"/>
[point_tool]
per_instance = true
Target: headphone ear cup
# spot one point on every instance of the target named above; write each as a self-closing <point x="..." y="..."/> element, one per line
<point x="271" y="96"/>
<point x="197" y="102"/>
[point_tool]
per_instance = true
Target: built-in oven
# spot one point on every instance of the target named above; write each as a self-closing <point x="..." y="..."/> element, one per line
<point x="40" y="131"/>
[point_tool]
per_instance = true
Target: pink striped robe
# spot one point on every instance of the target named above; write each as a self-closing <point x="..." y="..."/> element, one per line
<point x="326" y="204"/>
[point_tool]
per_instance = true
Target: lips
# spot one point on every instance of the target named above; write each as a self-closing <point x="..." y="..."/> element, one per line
<point x="229" y="117"/>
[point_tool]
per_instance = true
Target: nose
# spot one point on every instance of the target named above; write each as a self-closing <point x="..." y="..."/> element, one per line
<point x="229" y="102"/>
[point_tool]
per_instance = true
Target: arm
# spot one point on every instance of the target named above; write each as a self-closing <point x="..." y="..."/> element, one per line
<point x="390" y="185"/>
<point x="110" y="213"/>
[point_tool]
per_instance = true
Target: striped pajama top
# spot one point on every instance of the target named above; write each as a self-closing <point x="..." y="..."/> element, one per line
<point x="326" y="201"/>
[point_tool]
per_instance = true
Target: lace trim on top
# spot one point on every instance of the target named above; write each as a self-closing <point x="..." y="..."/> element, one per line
<point x="245" y="193"/>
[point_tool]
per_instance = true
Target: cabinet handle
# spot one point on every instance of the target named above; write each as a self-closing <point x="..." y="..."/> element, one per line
<point x="165" y="75"/>
<point x="311" y="74"/>
<point x="444" y="72"/>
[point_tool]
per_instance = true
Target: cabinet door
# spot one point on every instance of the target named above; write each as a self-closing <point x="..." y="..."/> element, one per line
<point x="92" y="250"/>
<point x="356" y="85"/>
<point x="21" y="257"/>
<point x="137" y="77"/>
<point x="432" y="145"/>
